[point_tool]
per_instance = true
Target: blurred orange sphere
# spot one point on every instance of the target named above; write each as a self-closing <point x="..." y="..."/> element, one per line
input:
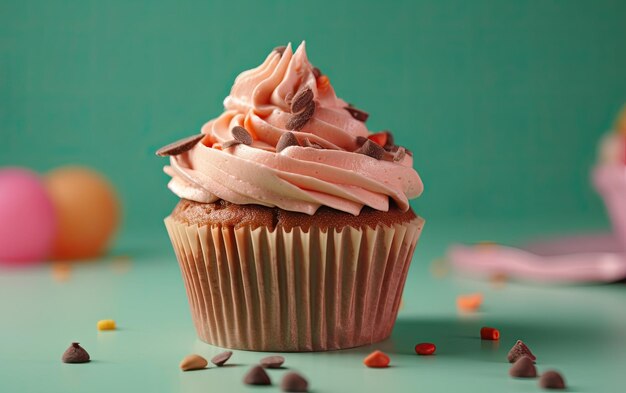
<point x="88" y="212"/>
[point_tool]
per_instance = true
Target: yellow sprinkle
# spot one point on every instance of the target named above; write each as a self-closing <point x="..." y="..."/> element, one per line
<point x="106" y="324"/>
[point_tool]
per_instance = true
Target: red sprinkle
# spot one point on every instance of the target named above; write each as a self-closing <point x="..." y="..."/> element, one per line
<point x="377" y="359"/>
<point x="380" y="138"/>
<point x="489" y="333"/>
<point x="425" y="349"/>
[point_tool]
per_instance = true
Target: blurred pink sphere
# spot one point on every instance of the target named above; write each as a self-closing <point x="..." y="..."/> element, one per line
<point x="27" y="218"/>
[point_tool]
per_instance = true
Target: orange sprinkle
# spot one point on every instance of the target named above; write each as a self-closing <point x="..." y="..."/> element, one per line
<point x="377" y="359"/>
<point x="470" y="302"/>
<point x="323" y="82"/>
<point x="489" y="333"/>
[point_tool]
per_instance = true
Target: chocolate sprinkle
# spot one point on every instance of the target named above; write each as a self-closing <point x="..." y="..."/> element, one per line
<point x="518" y="350"/>
<point x="371" y="149"/>
<point x="399" y="155"/>
<point x="316" y="72"/>
<point x="257" y="376"/>
<point x="272" y="361"/>
<point x="357" y="113"/>
<point x="280" y="49"/>
<point x="75" y="354"/>
<point x="180" y="146"/>
<point x="221" y="358"/>
<point x="227" y="144"/>
<point x="287" y="139"/>
<point x="301" y="100"/>
<point x="297" y="121"/>
<point x="294" y="382"/>
<point x="551" y="380"/>
<point x="523" y="368"/>
<point x="241" y="134"/>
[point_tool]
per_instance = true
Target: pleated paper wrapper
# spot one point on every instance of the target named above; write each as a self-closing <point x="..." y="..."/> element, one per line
<point x="293" y="291"/>
<point x="610" y="182"/>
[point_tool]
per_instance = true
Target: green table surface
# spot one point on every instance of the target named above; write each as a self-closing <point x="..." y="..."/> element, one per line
<point x="579" y="330"/>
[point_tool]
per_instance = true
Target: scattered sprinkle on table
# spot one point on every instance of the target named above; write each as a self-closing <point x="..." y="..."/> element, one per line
<point x="193" y="362"/>
<point x="257" y="376"/>
<point x="294" y="382"/>
<point x="470" y="302"/>
<point x="523" y="368"/>
<point x="106" y="324"/>
<point x="377" y="359"/>
<point x="75" y="354"/>
<point x="425" y="349"/>
<point x="272" y="361"/>
<point x="221" y="358"/>
<point x="489" y="333"/>
<point x="552" y="380"/>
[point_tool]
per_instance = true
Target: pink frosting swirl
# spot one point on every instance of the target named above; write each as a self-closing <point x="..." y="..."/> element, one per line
<point x="297" y="178"/>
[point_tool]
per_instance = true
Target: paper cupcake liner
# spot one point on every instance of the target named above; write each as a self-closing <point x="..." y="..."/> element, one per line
<point x="293" y="290"/>
<point x="610" y="182"/>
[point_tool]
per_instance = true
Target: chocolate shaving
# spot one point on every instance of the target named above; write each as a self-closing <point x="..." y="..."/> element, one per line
<point x="241" y="134"/>
<point x="371" y="149"/>
<point x="316" y="72"/>
<point x="287" y="139"/>
<point x="399" y="155"/>
<point x="360" y="140"/>
<point x="297" y="121"/>
<point x="280" y="49"/>
<point x="357" y="113"/>
<point x="180" y="146"/>
<point x="301" y="100"/>
<point x="390" y="141"/>
<point x="227" y="144"/>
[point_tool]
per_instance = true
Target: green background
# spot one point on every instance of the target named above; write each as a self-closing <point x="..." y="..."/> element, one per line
<point x="502" y="102"/>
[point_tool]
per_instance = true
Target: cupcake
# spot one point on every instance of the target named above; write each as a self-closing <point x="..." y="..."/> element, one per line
<point x="294" y="230"/>
<point x="609" y="176"/>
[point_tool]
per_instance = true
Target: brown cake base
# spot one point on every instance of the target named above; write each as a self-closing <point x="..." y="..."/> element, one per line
<point x="228" y="214"/>
<point x="264" y="279"/>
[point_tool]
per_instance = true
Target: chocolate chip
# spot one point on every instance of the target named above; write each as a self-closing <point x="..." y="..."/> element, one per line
<point x="316" y="72"/>
<point x="180" y="146"/>
<point x="272" y="361"/>
<point x="227" y="144"/>
<point x="294" y="382"/>
<point x="523" y="368"/>
<point x="399" y="154"/>
<point x="551" y="380"/>
<point x="301" y="100"/>
<point x="371" y="149"/>
<point x="241" y="134"/>
<point x="257" y="376"/>
<point x="518" y="350"/>
<point x="75" y="354"/>
<point x="287" y="139"/>
<point x="296" y="122"/>
<point x="280" y="49"/>
<point x="222" y="358"/>
<point x="357" y="113"/>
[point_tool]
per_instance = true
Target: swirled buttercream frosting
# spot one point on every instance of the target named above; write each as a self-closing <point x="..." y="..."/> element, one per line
<point x="286" y="140"/>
